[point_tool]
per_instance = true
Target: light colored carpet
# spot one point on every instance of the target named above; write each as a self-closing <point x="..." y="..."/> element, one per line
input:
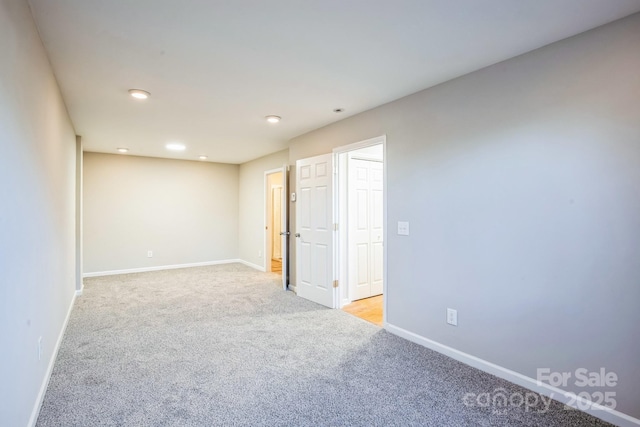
<point x="224" y="345"/>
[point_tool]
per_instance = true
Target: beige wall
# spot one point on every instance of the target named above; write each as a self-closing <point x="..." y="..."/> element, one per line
<point x="184" y="211"/>
<point x="252" y="205"/>
<point x="37" y="217"/>
<point x="520" y="183"/>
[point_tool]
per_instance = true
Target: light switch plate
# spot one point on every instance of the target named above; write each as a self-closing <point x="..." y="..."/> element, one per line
<point x="452" y="317"/>
<point x="403" y="228"/>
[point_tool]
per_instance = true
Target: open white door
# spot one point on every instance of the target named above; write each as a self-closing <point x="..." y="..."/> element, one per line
<point x="284" y="227"/>
<point x="314" y="229"/>
<point x="365" y="228"/>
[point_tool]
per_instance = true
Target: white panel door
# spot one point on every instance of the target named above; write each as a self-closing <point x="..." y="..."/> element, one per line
<point x="365" y="228"/>
<point x="314" y="230"/>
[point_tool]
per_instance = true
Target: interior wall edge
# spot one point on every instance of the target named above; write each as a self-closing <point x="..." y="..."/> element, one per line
<point x="52" y="361"/>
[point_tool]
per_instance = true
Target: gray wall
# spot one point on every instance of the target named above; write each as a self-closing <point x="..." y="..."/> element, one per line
<point x="37" y="216"/>
<point x="252" y="205"/>
<point x="521" y="185"/>
<point x="184" y="211"/>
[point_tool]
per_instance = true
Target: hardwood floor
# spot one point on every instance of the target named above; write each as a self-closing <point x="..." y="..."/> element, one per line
<point x="369" y="309"/>
<point x="276" y="266"/>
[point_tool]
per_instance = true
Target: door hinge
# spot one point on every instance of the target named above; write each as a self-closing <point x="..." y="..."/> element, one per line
<point x="335" y="226"/>
<point x="335" y="283"/>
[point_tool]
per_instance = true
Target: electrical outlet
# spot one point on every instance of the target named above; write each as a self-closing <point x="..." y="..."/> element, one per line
<point x="40" y="348"/>
<point x="259" y="254"/>
<point x="452" y="316"/>
<point x="149" y="254"/>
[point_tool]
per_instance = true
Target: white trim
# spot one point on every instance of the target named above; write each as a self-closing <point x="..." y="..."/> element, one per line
<point x="599" y="411"/>
<point x="342" y="214"/>
<point x="365" y="157"/>
<point x="52" y="361"/>
<point x="285" y="227"/>
<point x="252" y="265"/>
<point x="163" y="267"/>
<point x="382" y="139"/>
<point x="79" y="291"/>
<point x="385" y="232"/>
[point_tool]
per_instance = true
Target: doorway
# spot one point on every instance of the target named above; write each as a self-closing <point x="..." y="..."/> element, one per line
<point x="361" y="208"/>
<point x="340" y="230"/>
<point x="273" y="221"/>
<point x="276" y="223"/>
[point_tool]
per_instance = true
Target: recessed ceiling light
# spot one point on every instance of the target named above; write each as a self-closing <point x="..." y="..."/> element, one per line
<point x="123" y="150"/>
<point x="203" y="157"/>
<point x="174" y="146"/>
<point x="338" y="110"/>
<point x="273" y="119"/>
<point x="139" y="93"/>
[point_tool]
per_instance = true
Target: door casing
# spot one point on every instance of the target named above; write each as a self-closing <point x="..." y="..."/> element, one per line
<point x="340" y="217"/>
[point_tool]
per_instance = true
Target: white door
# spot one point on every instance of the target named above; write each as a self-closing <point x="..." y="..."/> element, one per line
<point x="314" y="230"/>
<point x="365" y="228"/>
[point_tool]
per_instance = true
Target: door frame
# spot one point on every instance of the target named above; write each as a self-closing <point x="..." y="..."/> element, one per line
<point x="266" y="250"/>
<point x="340" y="235"/>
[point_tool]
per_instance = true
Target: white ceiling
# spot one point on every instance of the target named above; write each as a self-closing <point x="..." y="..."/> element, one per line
<point x="216" y="68"/>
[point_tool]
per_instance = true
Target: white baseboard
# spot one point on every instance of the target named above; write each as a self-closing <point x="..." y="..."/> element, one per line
<point x="79" y="291"/>
<point x="160" y="267"/>
<point x="252" y="265"/>
<point x="599" y="411"/>
<point x="52" y="361"/>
